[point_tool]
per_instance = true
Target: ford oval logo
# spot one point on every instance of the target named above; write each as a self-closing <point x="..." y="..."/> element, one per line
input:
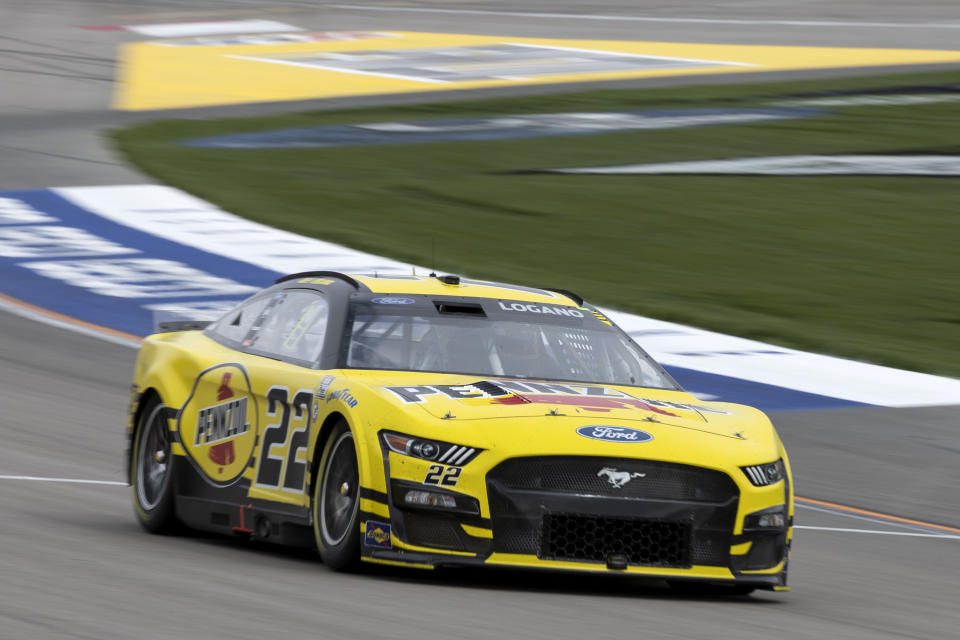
<point x="392" y="301"/>
<point x="610" y="433"/>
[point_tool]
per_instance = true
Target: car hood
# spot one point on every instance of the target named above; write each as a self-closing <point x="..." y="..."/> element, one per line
<point x="459" y="399"/>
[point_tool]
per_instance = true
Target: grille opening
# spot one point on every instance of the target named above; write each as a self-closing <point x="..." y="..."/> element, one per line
<point x="432" y="531"/>
<point x="578" y="475"/>
<point x="595" y="538"/>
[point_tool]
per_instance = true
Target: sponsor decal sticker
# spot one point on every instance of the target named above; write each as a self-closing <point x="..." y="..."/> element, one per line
<point x="609" y="433"/>
<point x="510" y="392"/>
<point x="216" y="425"/>
<point x="321" y="394"/>
<point x="392" y="301"/>
<point x="377" y="534"/>
<point x="343" y="395"/>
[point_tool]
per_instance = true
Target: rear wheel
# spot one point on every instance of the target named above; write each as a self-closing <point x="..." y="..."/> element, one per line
<point x="151" y="471"/>
<point x="336" y="502"/>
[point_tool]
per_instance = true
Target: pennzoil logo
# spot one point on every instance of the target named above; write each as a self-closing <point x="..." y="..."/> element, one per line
<point x="377" y="534"/>
<point x="214" y="424"/>
<point x="218" y="425"/>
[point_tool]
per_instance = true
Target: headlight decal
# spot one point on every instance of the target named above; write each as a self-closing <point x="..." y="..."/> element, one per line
<point x="457" y="455"/>
<point x="442" y="452"/>
<point x="763" y="475"/>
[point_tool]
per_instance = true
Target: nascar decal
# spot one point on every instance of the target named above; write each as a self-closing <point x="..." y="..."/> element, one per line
<point x="377" y="534"/>
<point x="217" y="426"/>
<point x="589" y="397"/>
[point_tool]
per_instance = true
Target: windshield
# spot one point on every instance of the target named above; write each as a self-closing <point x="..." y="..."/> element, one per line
<point x="574" y="349"/>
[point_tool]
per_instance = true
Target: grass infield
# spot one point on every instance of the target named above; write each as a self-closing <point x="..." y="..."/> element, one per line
<point x="856" y="266"/>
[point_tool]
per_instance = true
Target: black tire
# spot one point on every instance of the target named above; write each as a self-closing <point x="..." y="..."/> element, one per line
<point x="709" y="590"/>
<point x="152" y="469"/>
<point x="336" y="502"/>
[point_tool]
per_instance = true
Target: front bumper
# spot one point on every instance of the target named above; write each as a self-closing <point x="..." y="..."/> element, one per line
<point x="554" y="512"/>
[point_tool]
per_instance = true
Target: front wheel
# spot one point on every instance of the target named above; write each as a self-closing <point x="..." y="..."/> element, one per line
<point x="151" y="471"/>
<point x="336" y="502"/>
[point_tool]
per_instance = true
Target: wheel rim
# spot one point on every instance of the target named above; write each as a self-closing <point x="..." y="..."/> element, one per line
<point x="338" y="501"/>
<point x="153" y="460"/>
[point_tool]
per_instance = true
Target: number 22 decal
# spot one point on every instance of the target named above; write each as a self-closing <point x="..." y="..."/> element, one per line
<point x="440" y="475"/>
<point x="284" y="464"/>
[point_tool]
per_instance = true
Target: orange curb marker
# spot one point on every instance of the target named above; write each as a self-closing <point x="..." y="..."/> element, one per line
<point x="64" y="318"/>
<point x="875" y="514"/>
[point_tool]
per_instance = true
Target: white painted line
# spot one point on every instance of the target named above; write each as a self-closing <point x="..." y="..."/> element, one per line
<point x="620" y="54"/>
<point x="854" y="516"/>
<point x="578" y="16"/>
<point x="323" y="67"/>
<point x="69" y="480"/>
<point x="183" y="29"/>
<point x="883" y="533"/>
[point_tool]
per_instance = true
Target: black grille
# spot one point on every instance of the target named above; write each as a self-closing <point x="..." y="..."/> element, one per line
<point x="672" y="515"/>
<point x="595" y="538"/>
<point x="432" y="531"/>
<point x="592" y="476"/>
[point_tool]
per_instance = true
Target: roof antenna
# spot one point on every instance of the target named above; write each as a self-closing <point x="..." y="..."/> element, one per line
<point x="433" y="257"/>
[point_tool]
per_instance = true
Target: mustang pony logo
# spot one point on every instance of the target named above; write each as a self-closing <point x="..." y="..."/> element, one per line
<point x="618" y="478"/>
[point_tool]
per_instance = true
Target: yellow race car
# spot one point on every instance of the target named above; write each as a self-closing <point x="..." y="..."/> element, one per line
<point x="435" y="420"/>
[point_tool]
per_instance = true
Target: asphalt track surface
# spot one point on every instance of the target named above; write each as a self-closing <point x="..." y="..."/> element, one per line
<point x="74" y="564"/>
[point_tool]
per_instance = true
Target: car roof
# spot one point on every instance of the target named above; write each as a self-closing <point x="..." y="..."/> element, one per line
<point x="463" y="287"/>
<point x="434" y="285"/>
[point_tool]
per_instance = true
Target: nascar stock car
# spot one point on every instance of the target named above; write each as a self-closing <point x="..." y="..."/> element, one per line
<point x="434" y="421"/>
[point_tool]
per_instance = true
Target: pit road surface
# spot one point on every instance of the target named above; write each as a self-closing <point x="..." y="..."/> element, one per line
<point x="76" y="565"/>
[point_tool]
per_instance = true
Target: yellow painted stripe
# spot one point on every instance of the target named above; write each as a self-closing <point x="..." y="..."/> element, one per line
<point x="397" y="563"/>
<point x="372" y="506"/>
<point x="152" y="76"/>
<point x="177" y="449"/>
<point x="776" y="569"/>
<point x="477" y="532"/>
<point x="522" y="560"/>
<point x="740" y="549"/>
<point x="399" y="544"/>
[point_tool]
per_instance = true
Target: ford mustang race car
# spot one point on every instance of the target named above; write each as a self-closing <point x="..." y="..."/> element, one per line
<point x="440" y="421"/>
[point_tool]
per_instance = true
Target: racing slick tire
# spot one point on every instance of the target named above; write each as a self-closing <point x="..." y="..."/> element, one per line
<point x="336" y="502"/>
<point x="152" y="471"/>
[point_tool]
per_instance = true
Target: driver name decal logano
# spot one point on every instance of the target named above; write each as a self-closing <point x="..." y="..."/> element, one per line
<point x="541" y="308"/>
